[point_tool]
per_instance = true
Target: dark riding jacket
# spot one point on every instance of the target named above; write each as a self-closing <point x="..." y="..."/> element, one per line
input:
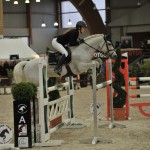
<point x="69" y="38"/>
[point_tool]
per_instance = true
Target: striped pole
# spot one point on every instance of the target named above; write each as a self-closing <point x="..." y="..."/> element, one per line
<point x="139" y="95"/>
<point x="140" y="79"/>
<point x="104" y="84"/>
<point x="139" y="87"/>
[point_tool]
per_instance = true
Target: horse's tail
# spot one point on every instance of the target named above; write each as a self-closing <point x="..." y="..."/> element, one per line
<point x="18" y="72"/>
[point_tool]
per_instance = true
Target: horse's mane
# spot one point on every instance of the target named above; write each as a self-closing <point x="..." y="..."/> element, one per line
<point x="88" y="38"/>
<point x="92" y="36"/>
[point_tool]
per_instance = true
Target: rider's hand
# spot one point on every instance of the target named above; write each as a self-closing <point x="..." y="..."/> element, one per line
<point x="81" y="41"/>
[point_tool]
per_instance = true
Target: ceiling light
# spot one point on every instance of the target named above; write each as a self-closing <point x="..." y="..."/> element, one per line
<point x="37" y="0"/>
<point x="43" y="24"/>
<point x="16" y="2"/>
<point x="56" y="24"/>
<point x="69" y="22"/>
<point x="7" y="0"/>
<point x="94" y="8"/>
<point x="27" y="1"/>
<point x="107" y="7"/>
<point x="139" y="3"/>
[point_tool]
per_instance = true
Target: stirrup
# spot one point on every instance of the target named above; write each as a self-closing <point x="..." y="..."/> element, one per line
<point x="58" y="70"/>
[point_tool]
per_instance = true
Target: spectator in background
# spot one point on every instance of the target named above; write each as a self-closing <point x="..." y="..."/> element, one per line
<point x="5" y="67"/>
<point x="143" y="45"/>
<point x="11" y="65"/>
<point x="117" y="44"/>
<point x="126" y="44"/>
<point x="1" y="68"/>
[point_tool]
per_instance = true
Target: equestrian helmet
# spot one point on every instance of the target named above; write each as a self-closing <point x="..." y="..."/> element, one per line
<point x="80" y="24"/>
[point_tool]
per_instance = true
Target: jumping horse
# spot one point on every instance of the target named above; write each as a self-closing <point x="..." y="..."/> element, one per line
<point x="94" y="47"/>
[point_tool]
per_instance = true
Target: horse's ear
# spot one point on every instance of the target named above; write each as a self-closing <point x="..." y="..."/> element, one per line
<point x="107" y="37"/>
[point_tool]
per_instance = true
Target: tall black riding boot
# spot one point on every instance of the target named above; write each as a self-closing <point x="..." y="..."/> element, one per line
<point x="58" y="68"/>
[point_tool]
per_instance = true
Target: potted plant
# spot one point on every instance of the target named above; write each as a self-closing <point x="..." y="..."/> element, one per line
<point x="23" y="93"/>
<point x="119" y="98"/>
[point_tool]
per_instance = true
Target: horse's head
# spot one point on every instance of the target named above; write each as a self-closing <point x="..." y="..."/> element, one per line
<point x="102" y="45"/>
<point x="106" y="47"/>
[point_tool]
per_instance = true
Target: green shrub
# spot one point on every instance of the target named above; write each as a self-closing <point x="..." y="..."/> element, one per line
<point x="35" y="89"/>
<point x="23" y="91"/>
<point x="134" y="70"/>
<point x="145" y="68"/>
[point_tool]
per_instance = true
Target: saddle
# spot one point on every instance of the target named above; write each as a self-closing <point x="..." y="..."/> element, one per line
<point x="53" y="57"/>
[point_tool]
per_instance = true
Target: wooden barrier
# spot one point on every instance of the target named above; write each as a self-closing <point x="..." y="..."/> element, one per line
<point x="125" y="72"/>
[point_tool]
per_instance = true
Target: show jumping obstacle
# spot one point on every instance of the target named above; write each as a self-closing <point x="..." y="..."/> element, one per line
<point x="140" y="105"/>
<point x="96" y="138"/>
<point x="124" y="71"/>
<point x="96" y="87"/>
<point x="51" y="110"/>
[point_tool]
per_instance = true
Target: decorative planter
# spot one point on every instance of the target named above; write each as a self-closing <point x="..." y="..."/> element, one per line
<point x="119" y="113"/>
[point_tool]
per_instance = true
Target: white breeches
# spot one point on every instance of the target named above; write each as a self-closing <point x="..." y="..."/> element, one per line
<point x="59" y="47"/>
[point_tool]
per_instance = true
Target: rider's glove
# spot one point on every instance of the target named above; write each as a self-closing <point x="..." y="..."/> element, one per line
<point x="81" y="41"/>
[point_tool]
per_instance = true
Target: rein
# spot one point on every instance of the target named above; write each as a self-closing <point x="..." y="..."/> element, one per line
<point x="105" y="55"/>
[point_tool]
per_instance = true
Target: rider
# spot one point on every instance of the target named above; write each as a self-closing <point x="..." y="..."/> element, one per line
<point x="69" y="38"/>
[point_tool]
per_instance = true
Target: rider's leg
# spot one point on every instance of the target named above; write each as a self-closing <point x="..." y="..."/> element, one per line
<point x="58" y="68"/>
<point x="64" y="53"/>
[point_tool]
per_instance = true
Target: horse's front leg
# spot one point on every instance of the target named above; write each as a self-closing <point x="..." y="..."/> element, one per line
<point x="98" y="62"/>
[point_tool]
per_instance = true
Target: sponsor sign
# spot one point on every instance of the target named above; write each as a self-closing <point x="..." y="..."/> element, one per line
<point x="23" y="142"/>
<point x="22" y="124"/>
<point x="5" y="134"/>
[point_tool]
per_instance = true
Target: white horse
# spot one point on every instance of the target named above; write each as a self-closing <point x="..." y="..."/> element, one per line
<point x="82" y="56"/>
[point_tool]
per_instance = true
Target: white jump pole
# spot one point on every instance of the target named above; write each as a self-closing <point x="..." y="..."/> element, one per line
<point x="111" y="125"/>
<point x="52" y="88"/>
<point x="70" y="91"/>
<point x="95" y="138"/>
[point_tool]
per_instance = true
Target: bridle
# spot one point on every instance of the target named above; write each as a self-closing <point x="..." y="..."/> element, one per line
<point x="106" y="55"/>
